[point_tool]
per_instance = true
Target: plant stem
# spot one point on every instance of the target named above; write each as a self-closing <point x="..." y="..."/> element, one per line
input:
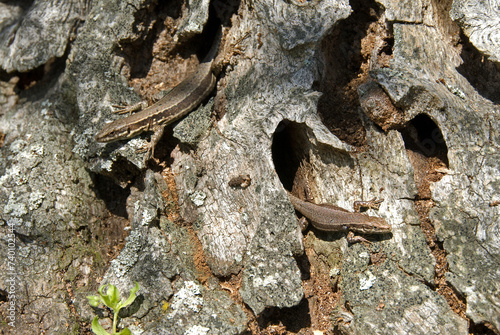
<point x="115" y="319"/>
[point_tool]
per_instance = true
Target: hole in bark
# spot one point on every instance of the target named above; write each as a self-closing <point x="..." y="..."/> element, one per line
<point x="289" y="148"/>
<point x="33" y="84"/>
<point x="284" y="320"/>
<point x="479" y="71"/>
<point x="26" y="79"/>
<point x="154" y="61"/>
<point x="113" y="195"/>
<point x="361" y="42"/>
<point x="3" y="295"/>
<point x="164" y="148"/>
<point x="427" y="151"/>
<point x="481" y="329"/>
<point x="109" y="232"/>
<point x="304" y="266"/>
<point x="138" y="53"/>
<point x="423" y="135"/>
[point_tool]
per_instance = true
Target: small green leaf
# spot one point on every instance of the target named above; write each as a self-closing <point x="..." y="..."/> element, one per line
<point x="114" y="295"/>
<point x="125" y="331"/>
<point x="104" y="297"/>
<point x="97" y="328"/>
<point x="111" y="297"/>
<point x="112" y="300"/>
<point x="94" y="300"/>
<point x="131" y="297"/>
<point x="101" y="289"/>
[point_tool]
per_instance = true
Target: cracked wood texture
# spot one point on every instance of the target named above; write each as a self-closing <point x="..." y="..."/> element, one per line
<point x="386" y="99"/>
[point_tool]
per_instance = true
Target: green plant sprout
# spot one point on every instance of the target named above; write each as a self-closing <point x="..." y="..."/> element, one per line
<point x="112" y="300"/>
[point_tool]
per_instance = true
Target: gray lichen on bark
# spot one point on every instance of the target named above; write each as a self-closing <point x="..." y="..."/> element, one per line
<point x="480" y="21"/>
<point x="33" y="33"/>
<point x="250" y="233"/>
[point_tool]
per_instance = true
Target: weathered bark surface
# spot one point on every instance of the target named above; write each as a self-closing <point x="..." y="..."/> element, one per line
<point x="480" y="21"/>
<point x="380" y="99"/>
<point x="35" y="32"/>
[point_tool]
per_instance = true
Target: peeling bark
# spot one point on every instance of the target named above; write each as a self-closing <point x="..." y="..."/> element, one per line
<point x="388" y="99"/>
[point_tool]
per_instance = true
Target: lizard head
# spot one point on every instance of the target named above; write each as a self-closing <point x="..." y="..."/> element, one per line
<point x="114" y="131"/>
<point x="375" y="225"/>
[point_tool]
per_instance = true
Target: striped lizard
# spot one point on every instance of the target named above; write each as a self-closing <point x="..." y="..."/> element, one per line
<point x="327" y="217"/>
<point x="178" y="102"/>
<point x="332" y="218"/>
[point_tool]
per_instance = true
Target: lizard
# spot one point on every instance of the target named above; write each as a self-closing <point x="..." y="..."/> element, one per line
<point x="332" y="218"/>
<point x="178" y="102"/>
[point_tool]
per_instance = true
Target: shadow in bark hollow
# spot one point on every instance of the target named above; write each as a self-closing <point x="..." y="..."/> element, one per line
<point x="138" y="53"/>
<point x="36" y="83"/>
<point x="427" y="151"/>
<point x="3" y="295"/>
<point x="141" y="52"/>
<point x="304" y="266"/>
<point x="480" y="329"/>
<point x="423" y="135"/>
<point x="290" y="147"/>
<point x="293" y="319"/>
<point x="114" y="196"/>
<point x="481" y="73"/>
<point x="347" y="53"/>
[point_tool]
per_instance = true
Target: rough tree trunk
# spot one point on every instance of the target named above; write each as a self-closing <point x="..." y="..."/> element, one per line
<point x="386" y="99"/>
